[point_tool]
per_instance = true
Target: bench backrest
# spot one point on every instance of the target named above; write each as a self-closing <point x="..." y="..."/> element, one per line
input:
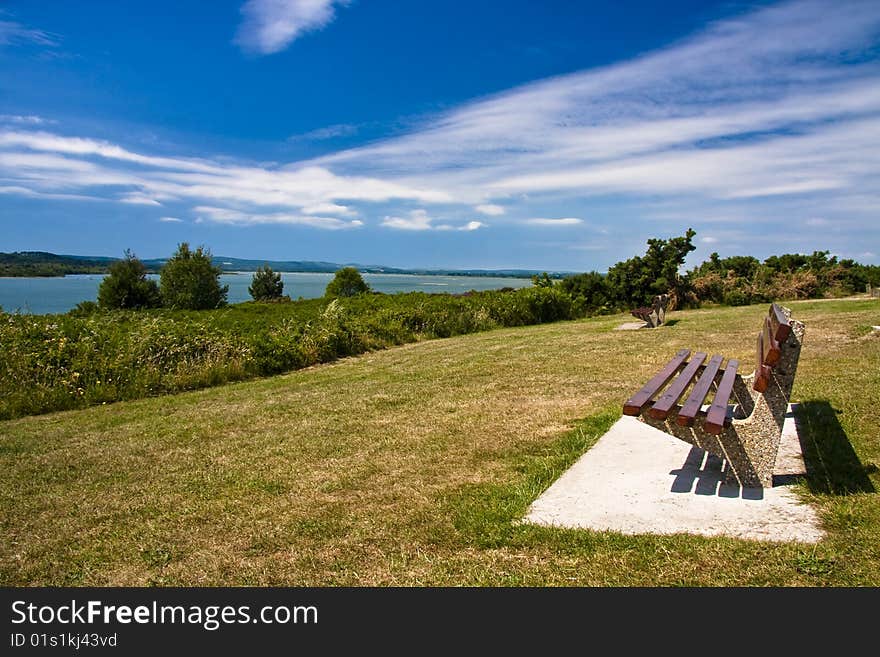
<point x="774" y="332"/>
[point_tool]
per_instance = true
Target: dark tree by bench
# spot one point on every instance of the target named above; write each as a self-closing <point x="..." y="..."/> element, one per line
<point x="654" y="315"/>
<point x="743" y="423"/>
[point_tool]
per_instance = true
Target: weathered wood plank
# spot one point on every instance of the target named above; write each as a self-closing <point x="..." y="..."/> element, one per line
<point x="694" y="403"/>
<point x="762" y="372"/>
<point x="717" y="413"/>
<point x="779" y="324"/>
<point x="673" y="393"/>
<point x="634" y="405"/>
<point x="770" y="347"/>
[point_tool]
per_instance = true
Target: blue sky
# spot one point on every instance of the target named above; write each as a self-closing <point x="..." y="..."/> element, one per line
<point x="552" y="135"/>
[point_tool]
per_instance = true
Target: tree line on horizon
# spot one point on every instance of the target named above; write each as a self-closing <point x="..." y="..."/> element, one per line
<point x="732" y="281"/>
<point x="84" y="357"/>
<point x="189" y="280"/>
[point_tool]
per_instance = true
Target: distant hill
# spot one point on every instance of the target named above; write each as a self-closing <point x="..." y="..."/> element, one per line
<point x="41" y="263"/>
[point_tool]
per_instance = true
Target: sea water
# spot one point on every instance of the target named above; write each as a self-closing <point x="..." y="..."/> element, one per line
<point x="58" y="294"/>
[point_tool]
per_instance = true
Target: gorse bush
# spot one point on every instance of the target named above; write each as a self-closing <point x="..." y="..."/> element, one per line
<point x="733" y="281"/>
<point x="741" y="280"/>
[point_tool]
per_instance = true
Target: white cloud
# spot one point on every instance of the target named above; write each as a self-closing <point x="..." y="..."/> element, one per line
<point x="170" y="220"/>
<point x="12" y="33"/>
<point x="417" y="220"/>
<point x="490" y="209"/>
<point x="564" y="221"/>
<point x="328" y="132"/>
<point x="56" y="163"/>
<point x="709" y="240"/>
<point x="766" y="108"/>
<point x="768" y="118"/>
<point x="329" y="208"/>
<point x="28" y="120"/>
<point x="238" y="218"/>
<point x="16" y="190"/>
<point x="270" y="26"/>
<point x="139" y="199"/>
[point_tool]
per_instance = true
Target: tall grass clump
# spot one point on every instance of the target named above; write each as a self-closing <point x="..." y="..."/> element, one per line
<point x="60" y="362"/>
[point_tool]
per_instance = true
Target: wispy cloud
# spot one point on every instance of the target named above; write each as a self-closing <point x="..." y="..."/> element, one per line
<point x="782" y="103"/>
<point x="238" y="218"/>
<point x="51" y="163"/>
<point x="30" y="120"/>
<point x="139" y="199"/>
<point x="12" y="33"/>
<point x="418" y="220"/>
<point x="767" y="119"/>
<point x="328" y="132"/>
<point x="17" y="190"/>
<point x="564" y="221"/>
<point x="170" y="220"/>
<point x="270" y="26"/>
<point x="490" y="209"/>
<point x="329" y="208"/>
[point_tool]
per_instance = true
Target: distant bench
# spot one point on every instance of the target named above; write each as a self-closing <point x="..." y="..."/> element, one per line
<point x="746" y="435"/>
<point x="655" y="314"/>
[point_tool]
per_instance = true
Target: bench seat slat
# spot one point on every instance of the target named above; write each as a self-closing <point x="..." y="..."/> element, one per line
<point x="674" y="392"/>
<point x="694" y="403"/>
<point x="634" y="405"/>
<point x="717" y="413"/>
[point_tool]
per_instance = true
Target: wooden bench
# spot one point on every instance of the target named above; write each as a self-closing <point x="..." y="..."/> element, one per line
<point x="743" y="422"/>
<point x="655" y="314"/>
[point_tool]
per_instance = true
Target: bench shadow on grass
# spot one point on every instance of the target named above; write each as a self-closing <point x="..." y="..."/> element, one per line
<point x="833" y="467"/>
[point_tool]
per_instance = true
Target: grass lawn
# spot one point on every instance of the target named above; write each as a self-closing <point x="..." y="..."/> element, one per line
<point x="410" y="467"/>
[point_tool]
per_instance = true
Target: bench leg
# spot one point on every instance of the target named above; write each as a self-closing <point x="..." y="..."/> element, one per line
<point x="751" y="458"/>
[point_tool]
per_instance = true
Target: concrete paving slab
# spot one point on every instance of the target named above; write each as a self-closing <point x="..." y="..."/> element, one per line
<point x="639" y="480"/>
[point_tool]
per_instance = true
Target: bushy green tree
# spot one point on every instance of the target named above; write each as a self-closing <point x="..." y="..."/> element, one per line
<point x="127" y="286"/>
<point x="190" y="280"/>
<point x="266" y="284"/>
<point x="542" y="280"/>
<point x="740" y="266"/>
<point x="346" y="283"/>
<point x="635" y="282"/>
<point x="589" y="291"/>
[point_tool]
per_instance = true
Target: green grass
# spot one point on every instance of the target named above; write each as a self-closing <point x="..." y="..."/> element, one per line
<point x="411" y="466"/>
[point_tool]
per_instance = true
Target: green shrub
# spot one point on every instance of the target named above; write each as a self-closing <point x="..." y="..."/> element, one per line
<point x="190" y="280"/>
<point x="127" y="286"/>
<point x="82" y="309"/>
<point x="266" y="284"/>
<point x="346" y="283"/>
